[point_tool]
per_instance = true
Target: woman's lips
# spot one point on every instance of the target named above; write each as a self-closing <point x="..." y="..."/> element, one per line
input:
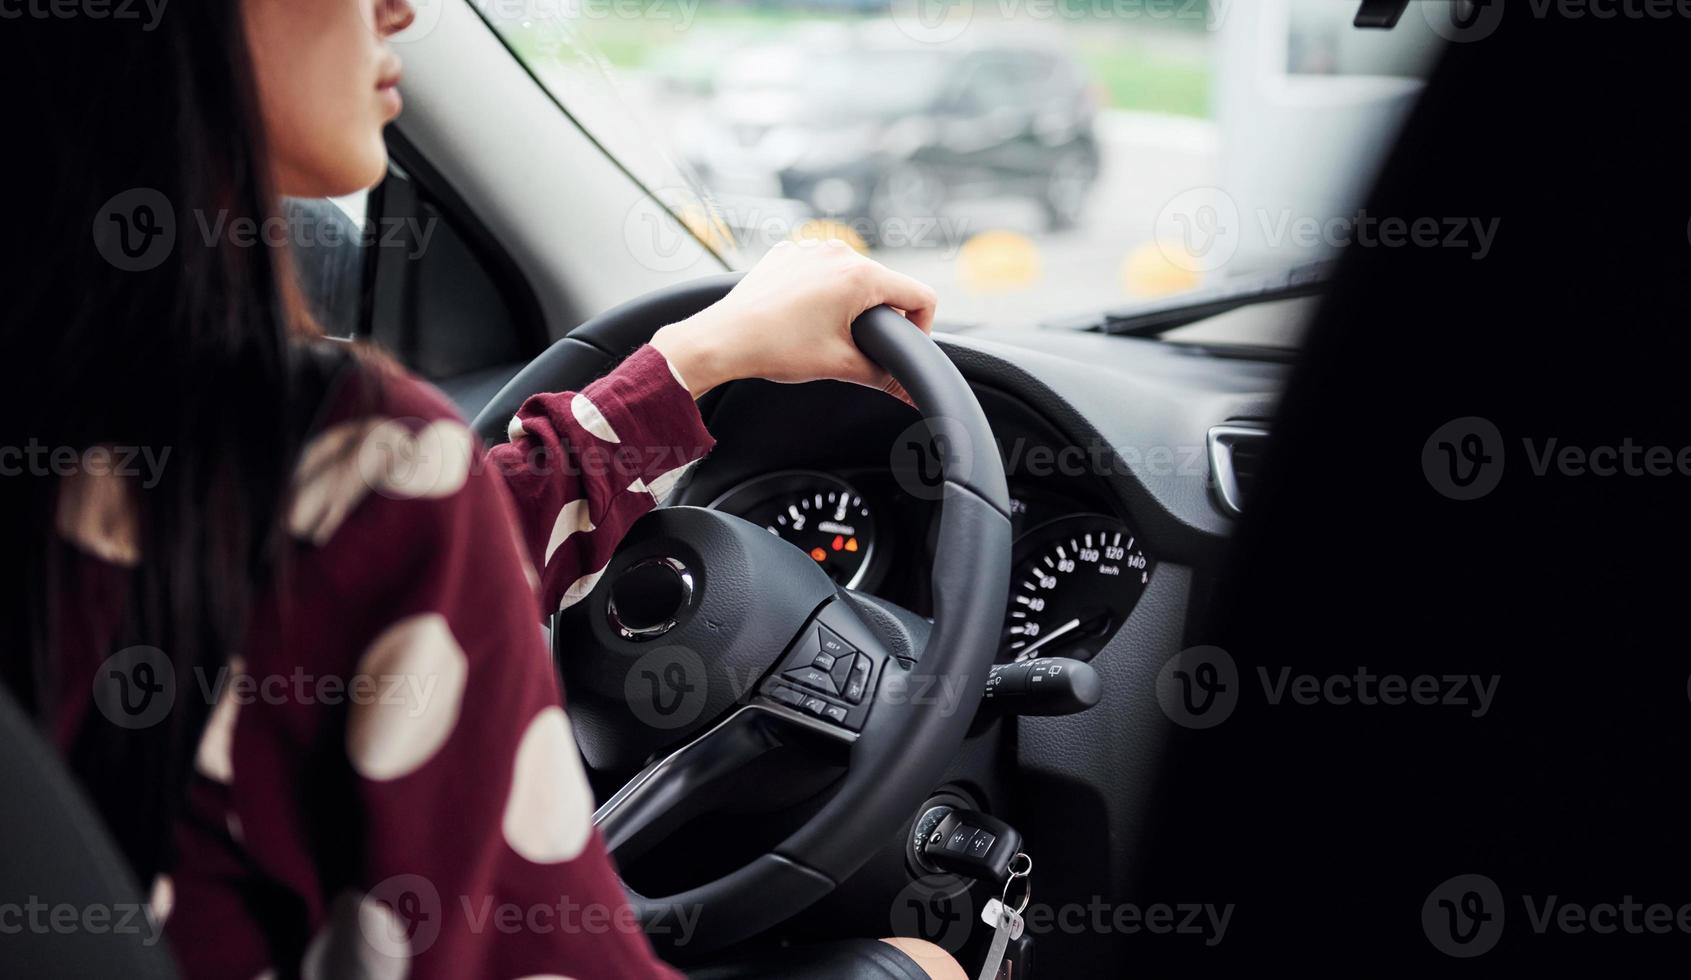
<point x="388" y="87"/>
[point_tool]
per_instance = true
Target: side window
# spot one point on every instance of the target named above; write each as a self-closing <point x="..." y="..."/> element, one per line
<point x="441" y="295"/>
<point x="328" y="257"/>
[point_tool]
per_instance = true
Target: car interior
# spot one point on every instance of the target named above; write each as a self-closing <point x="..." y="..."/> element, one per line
<point x="961" y="617"/>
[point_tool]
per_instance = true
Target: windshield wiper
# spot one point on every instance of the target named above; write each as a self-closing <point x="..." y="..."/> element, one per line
<point x="1149" y="319"/>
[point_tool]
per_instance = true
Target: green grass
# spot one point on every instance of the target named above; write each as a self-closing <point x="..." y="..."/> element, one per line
<point x="1149" y="77"/>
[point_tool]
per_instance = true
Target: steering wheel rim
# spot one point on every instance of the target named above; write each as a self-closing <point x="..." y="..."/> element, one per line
<point x="905" y="742"/>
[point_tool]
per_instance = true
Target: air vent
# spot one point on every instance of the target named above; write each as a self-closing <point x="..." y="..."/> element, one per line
<point x="1236" y="453"/>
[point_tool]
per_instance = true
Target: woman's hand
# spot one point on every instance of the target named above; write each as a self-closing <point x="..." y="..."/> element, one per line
<point x="790" y="320"/>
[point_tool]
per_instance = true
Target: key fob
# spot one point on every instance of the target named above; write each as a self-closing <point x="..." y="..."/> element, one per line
<point x="973" y="844"/>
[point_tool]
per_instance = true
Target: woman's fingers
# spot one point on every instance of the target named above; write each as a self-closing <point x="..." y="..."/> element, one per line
<point x="909" y="296"/>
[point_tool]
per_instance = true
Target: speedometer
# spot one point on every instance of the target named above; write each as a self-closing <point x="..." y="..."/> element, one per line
<point x="822" y="514"/>
<point x="1075" y="581"/>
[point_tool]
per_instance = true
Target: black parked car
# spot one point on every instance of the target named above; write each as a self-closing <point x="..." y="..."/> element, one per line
<point x="885" y="136"/>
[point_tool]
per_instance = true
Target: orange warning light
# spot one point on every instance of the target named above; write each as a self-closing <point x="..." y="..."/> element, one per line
<point x="851" y="544"/>
<point x="839" y="541"/>
<point x="818" y="554"/>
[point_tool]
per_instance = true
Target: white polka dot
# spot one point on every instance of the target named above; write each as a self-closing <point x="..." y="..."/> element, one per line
<point x="664" y="484"/>
<point x="432" y="462"/>
<point x="410" y="704"/>
<point x="339" y="468"/>
<point x="514" y="429"/>
<point x="579" y="589"/>
<point x="215" y="758"/>
<point x="591" y="419"/>
<point x="163" y="898"/>
<point x="549" y="815"/>
<point x="327" y="485"/>
<point x="361" y="938"/>
<point x="572" y="518"/>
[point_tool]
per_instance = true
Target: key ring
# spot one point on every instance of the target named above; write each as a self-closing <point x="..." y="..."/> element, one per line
<point x="1027" y="895"/>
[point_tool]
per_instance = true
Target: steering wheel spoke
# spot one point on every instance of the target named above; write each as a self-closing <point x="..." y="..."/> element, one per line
<point x="709" y="771"/>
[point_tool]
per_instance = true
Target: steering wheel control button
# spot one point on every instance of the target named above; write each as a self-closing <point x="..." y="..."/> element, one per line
<point x="812" y="678"/>
<point x="842" y="672"/>
<point x="834" y="677"/>
<point x="648" y="597"/>
<point x="832" y="644"/>
<point x="858" y="683"/>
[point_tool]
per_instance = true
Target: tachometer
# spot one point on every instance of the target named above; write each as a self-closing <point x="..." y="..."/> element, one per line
<point x="823" y="515"/>
<point x="1075" y="580"/>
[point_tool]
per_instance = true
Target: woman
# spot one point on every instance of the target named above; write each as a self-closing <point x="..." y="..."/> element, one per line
<point x="312" y="519"/>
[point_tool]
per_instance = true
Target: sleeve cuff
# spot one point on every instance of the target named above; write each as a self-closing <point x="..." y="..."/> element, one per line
<point x="652" y="412"/>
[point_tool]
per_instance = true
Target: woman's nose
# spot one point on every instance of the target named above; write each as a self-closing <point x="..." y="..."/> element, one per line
<point x="393" y="16"/>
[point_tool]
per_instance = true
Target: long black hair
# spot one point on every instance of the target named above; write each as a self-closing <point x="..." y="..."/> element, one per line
<point x="121" y="325"/>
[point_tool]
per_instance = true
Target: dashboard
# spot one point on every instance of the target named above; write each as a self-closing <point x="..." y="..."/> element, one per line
<point x="1081" y="424"/>
<point x="1077" y="574"/>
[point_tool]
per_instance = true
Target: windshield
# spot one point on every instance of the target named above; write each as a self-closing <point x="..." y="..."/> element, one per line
<point x="1033" y="160"/>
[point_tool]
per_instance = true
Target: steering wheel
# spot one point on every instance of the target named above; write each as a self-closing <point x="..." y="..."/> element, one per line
<point x="722" y="653"/>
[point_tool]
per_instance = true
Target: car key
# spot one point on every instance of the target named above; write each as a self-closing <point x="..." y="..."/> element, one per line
<point x="1006" y="922"/>
<point x="973" y="844"/>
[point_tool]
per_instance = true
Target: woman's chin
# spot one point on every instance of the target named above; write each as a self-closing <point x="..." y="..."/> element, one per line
<point x="359" y="168"/>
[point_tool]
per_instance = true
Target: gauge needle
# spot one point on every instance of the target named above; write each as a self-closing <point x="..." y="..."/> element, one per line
<point x="1067" y="627"/>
